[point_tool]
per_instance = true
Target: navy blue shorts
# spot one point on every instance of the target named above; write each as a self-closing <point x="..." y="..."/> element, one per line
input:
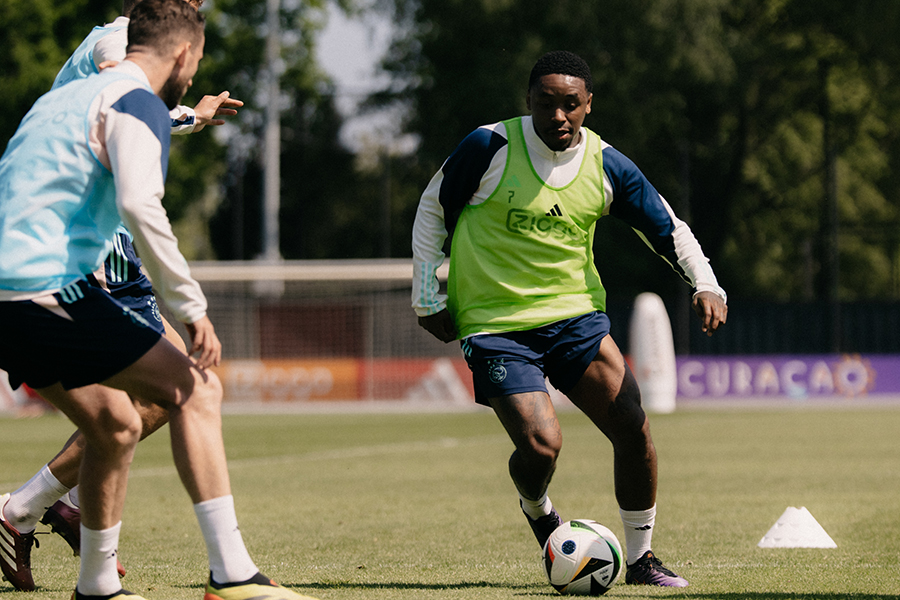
<point x="122" y="277"/>
<point x="518" y="361"/>
<point x="78" y="336"/>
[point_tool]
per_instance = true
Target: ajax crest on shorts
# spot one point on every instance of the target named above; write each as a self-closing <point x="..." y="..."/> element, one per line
<point x="497" y="371"/>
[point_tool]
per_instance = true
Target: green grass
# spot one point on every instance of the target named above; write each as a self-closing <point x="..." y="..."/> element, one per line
<point x="384" y="506"/>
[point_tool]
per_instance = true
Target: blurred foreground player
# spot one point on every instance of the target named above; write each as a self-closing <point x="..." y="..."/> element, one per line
<point x="84" y="157"/>
<point x="51" y="496"/>
<point x="521" y="198"/>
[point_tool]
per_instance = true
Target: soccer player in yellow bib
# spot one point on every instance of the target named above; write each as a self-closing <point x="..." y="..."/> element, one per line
<point x="521" y="198"/>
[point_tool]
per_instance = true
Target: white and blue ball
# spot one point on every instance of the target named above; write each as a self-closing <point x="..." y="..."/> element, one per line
<point x="582" y="558"/>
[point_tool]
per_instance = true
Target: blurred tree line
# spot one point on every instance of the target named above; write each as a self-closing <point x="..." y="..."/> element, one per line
<point x="214" y="184"/>
<point x="741" y="112"/>
<point x="771" y="126"/>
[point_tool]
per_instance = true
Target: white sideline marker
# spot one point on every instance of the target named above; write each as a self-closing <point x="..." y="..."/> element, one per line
<point x="796" y="528"/>
<point x="653" y="353"/>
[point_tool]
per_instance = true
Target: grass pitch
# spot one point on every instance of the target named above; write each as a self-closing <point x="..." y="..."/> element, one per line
<point x="401" y="506"/>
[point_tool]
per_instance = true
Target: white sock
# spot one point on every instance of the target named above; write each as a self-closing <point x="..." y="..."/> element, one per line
<point x="98" y="576"/>
<point x="638" y="531"/>
<point x="229" y="560"/>
<point x="72" y="498"/>
<point x="28" y="504"/>
<point x="536" y="509"/>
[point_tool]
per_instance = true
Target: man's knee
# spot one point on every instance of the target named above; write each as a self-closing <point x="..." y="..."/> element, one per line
<point x="205" y="394"/>
<point x="212" y="388"/>
<point x="625" y="414"/>
<point x="544" y="445"/>
<point x="130" y="432"/>
<point x="117" y="428"/>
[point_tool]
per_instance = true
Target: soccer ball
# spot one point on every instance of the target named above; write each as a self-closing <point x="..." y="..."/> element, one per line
<point x="582" y="558"/>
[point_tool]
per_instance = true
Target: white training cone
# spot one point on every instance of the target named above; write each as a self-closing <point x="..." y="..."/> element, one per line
<point x="796" y="528"/>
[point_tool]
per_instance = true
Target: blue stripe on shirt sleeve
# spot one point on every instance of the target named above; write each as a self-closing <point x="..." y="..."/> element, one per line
<point x="637" y="202"/>
<point x="464" y="169"/>
<point x="188" y="120"/>
<point x="148" y="108"/>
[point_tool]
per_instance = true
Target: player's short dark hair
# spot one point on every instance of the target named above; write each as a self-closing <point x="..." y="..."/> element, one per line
<point x="561" y="62"/>
<point x="160" y="24"/>
<point x="128" y="5"/>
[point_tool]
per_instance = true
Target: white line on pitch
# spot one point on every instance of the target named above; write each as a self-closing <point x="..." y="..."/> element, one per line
<point x="338" y="454"/>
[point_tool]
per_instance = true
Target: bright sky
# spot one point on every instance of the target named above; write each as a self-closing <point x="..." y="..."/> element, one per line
<point x="349" y="50"/>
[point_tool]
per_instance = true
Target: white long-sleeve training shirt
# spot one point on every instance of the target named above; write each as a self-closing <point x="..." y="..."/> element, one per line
<point x="474" y="171"/>
<point x="84" y="156"/>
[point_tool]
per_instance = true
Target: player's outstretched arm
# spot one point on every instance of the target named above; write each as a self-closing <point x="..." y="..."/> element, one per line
<point x="440" y="325"/>
<point x="711" y="309"/>
<point x="205" y="341"/>
<point x="210" y="107"/>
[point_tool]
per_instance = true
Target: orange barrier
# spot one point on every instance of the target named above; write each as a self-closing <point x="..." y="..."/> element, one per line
<point x="338" y="379"/>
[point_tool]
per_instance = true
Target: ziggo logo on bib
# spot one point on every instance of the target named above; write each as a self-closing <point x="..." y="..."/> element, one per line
<point x="524" y="222"/>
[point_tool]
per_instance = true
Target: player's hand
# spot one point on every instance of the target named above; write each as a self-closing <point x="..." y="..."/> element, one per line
<point x="712" y="311"/>
<point x="210" y="107"/>
<point x="205" y="341"/>
<point x="440" y="325"/>
<point x="107" y="64"/>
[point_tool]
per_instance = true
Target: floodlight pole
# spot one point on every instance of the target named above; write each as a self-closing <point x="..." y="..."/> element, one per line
<point x="272" y="155"/>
